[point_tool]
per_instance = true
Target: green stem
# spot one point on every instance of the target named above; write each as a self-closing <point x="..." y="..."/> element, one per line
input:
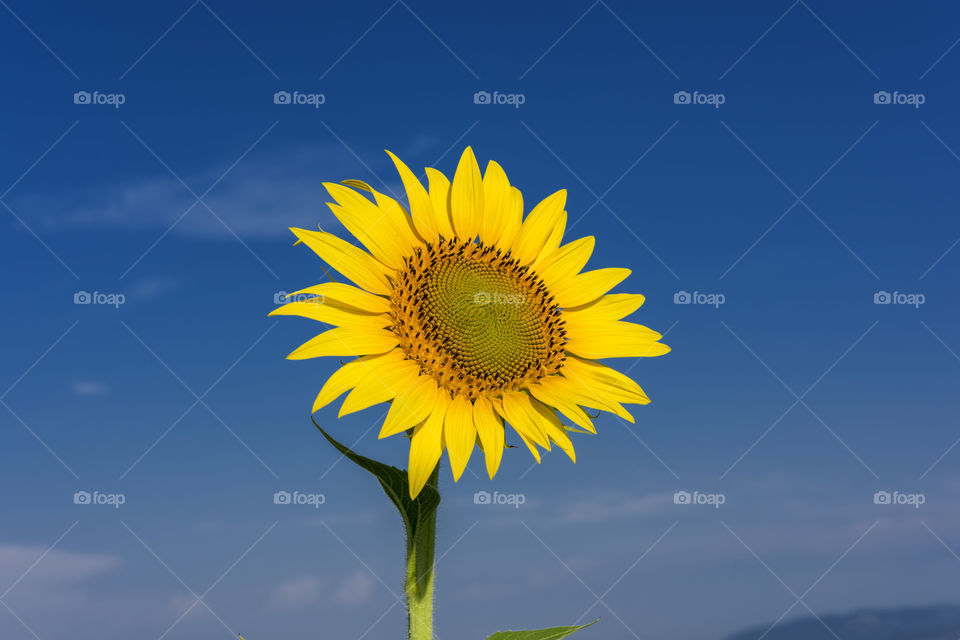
<point x="419" y="575"/>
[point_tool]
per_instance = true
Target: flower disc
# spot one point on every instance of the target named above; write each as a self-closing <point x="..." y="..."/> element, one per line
<point x="476" y="320"/>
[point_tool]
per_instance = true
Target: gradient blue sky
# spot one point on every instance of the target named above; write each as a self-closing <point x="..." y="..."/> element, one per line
<point x="797" y="199"/>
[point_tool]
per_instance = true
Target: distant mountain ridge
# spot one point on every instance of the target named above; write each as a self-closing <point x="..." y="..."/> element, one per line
<point x="909" y="623"/>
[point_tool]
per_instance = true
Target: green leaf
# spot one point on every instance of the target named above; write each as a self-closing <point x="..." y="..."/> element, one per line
<point x="396" y="486"/>
<point x="553" y="633"/>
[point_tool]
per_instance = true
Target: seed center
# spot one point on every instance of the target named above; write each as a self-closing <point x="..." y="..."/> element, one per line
<point x="475" y="319"/>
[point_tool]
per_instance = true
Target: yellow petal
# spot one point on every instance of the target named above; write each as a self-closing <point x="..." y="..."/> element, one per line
<point x="459" y="434"/>
<point x="530" y="445"/>
<point x="547" y="392"/>
<point x="353" y="262"/>
<point x="565" y="262"/>
<point x="421" y="208"/>
<point x="383" y="384"/>
<point x="611" y="382"/>
<point x="426" y="445"/>
<point x="346" y="341"/>
<point x="383" y="230"/>
<point x="411" y="406"/>
<point x="466" y="197"/>
<point x="550" y="424"/>
<point x="552" y="242"/>
<point x="403" y="224"/>
<point x="610" y="307"/>
<point x="519" y="412"/>
<point x="330" y="312"/>
<point x="490" y="430"/>
<point x="393" y="212"/>
<point x="347" y="295"/>
<point x="539" y="226"/>
<point x="576" y="393"/>
<point x="497" y="199"/>
<point x="587" y="286"/>
<point x="439" y="196"/>
<point x="614" y="339"/>
<point x="349" y="376"/>
<point x="498" y="407"/>
<point x="512" y="219"/>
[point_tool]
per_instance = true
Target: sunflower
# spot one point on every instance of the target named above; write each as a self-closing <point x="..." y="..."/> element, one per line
<point x="466" y="316"/>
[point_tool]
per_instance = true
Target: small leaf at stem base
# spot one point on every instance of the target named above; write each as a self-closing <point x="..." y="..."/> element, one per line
<point x="553" y="633"/>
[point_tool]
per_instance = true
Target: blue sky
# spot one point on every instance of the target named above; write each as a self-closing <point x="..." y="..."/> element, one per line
<point x="818" y="183"/>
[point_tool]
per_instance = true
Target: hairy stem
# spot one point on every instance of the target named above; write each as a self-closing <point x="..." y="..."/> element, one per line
<point x="419" y="575"/>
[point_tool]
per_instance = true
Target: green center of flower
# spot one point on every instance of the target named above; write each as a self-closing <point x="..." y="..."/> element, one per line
<point x="475" y="319"/>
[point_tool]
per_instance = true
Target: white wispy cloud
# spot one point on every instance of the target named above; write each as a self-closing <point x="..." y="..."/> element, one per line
<point x="356" y="589"/>
<point x="90" y="388"/>
<point x="153" y="287"/>
<point x="296" y="593"/>
<point x="56" y="569"/>
<point x="611" y="505"/>
<point x="260" y="197"/>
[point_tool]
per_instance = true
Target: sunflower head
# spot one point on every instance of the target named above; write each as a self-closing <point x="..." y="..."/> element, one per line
<point x="466" y="316"/>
